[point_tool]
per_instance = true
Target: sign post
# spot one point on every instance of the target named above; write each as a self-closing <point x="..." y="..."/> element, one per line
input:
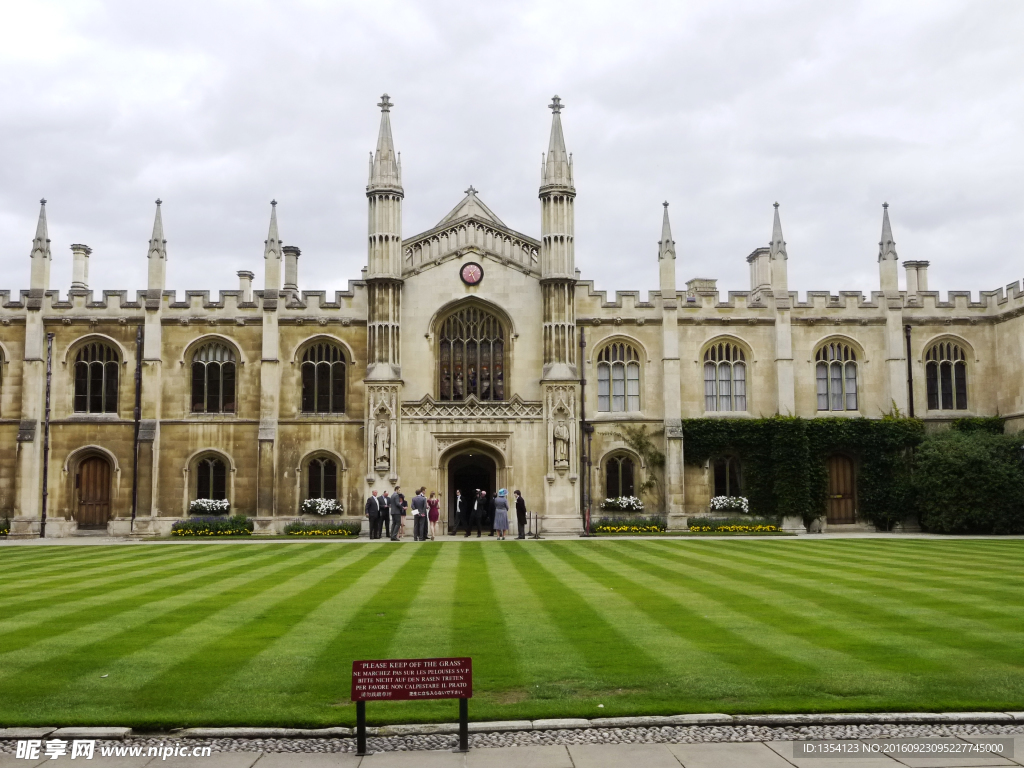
<point x="409" y="679"/>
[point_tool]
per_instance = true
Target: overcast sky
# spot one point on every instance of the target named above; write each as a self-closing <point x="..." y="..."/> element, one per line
<point x="721" y="108"/>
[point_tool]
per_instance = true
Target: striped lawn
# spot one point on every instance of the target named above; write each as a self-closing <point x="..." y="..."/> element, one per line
<point x="264" y="634"/>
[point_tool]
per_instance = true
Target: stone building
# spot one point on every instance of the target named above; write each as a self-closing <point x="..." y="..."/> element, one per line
<point x="268" y="398"/>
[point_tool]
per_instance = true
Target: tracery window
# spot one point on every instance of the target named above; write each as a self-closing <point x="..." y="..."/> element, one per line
<point x="726" y="476"/>
<point x="323" y="479"/>
<point x="96" y="372"/>
<point x="618" y="477"/>
<point x="323" y="379"/>
<point x="618" y="378"/>
<point x="211" y="478"/>
<point x="472" y="356"/>
<point x="836" y="374"/>
<point x="725" y="377"/>
<point x="946" y="376"/>
<point x="213" y="379"/>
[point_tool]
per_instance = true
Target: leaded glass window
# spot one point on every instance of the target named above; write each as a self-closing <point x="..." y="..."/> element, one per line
<point x="471" y="356"/>
<point x="836" y="377"/>
<point x="618" y="480"/>
<point x="96" y="373"/>
<point x="213" y="379"/>
<point x="323" y="379"/>
<point x="946" y="377"/>
<point x="211" y="478"/>
<point x="323" y="479"/>
<point x="618" y="378"/>
<point x="725" y="377"/>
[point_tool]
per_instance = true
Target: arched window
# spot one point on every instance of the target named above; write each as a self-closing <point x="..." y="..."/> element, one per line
<point x="946" y="375"/>
<point x="836" y="372"/>
<point x="323" y="479"/>
<point x="618" y="378"/>
<point x="725" y="377"/>
<point x="618" y="477"/>
<point x="213" y="379"/>
<point x="727" y="477"/>
<point x="211" y="478"/>
<point x="96" y="370"/>
<point x="323" y="379"/>
<point x="472" y="356"/>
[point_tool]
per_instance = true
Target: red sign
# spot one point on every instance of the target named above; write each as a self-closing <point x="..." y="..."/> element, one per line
<point x="405" y="679"/>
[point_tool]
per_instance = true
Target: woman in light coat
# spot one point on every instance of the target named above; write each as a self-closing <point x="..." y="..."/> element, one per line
<point x="501" y="514"/>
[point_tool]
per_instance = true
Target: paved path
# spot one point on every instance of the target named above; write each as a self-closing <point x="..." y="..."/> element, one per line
<point x="775" y="754"/>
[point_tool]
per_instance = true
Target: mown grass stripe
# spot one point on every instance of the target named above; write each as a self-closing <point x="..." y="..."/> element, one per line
<point x="73" y="671"/>
<point x="919" y="647"/>
<point x="370" y="632"/>
<point x="270" y="686"/>
<point x="63" y="568"/>
<point x="63" y="618"/>
<point x="478" y="625"/>
<point x="601" y="643"/>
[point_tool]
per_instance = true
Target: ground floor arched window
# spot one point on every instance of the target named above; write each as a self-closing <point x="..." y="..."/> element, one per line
<point x="322" y="482"/>
<point x="619" y="474"/>
<point x="726" y="476"/>
<point x="211" y="478"/>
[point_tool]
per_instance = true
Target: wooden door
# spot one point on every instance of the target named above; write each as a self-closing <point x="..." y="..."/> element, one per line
<point x="842" y="506"/>
<point x="93" y="489"/>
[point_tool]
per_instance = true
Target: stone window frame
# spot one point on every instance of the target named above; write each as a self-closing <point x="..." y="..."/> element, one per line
<point x="190" y="471"/>
<point x="346" y="361"/>
<point x="607" y="358"/>
<point x="958" y="354"/>
<point x="196" y="348"/>
<point x="508" y="335"/>
<point x="849" y="353"/>
<point x="69" y="361"/>
<point x="733" y="352"/>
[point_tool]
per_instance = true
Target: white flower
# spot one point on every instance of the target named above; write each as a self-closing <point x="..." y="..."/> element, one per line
<point x="730" y="503"/>
<point x="321" y="507"/>
<point x="209" y="506"/>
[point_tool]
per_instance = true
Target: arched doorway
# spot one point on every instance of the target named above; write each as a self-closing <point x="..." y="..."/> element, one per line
<point x="842" y="491"/>
<point x="468" y="472"/>
<point x="92" y="490"/>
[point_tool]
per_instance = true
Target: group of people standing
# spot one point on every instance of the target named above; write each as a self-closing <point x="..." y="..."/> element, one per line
<point x="387" y="513"/>
<point x="485" y="513"/>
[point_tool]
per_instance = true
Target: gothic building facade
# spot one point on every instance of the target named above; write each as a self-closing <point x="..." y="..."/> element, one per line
<point x="119" y="411"/>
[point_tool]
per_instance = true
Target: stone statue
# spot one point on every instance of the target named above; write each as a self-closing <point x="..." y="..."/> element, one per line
<point x="561" y="444"/>
<point x="382" y="444"/>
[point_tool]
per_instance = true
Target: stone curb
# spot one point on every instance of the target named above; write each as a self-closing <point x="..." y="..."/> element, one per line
<point x="501" y="726"/>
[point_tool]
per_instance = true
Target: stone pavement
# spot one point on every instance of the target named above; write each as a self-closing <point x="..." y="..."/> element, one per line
<point x="775" y="754"/>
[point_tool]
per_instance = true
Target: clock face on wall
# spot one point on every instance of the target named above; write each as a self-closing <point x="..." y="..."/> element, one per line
<point x="471" y="273"/>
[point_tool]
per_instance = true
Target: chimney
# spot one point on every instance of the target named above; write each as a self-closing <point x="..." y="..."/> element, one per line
<point x="760" y="269"/>
<point x="291" y="267"/>
<point x="245" y="285"/>
<point x="922" y="276"/>
<point x="80" y="267"/>
<point x="912" y="287"/>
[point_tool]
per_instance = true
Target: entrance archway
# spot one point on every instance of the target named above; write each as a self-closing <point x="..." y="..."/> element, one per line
<point x="468" y="472"/>
<point x="92" y="490"/>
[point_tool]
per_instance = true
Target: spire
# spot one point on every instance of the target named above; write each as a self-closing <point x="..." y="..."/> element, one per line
<point x="886" y="246"/>
<point x="666" y="246"/>
<point x="557" y="166"/>
<point x="157" y="243"/>
<point x="40" y="272"/>
<point x="272" y="253"/>
<point x="778" y="245"/>
<point x="386" y="166"/>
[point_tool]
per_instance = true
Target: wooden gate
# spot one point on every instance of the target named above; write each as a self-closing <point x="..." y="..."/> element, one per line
<point x="92" y="484"/>
<point x="842" y="486"/>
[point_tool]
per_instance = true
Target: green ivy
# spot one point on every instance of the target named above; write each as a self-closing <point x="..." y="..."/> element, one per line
<point x="992" y="424"/>
<point x="784" y="461"/>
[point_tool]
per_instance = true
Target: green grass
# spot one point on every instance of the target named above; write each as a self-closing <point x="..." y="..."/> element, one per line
<point x="265" y="633"/>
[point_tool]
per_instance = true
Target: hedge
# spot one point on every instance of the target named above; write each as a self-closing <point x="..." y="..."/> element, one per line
<point x="784" y="461"/>
<point x="236" y="525"/>
<point x="323" y="529"/>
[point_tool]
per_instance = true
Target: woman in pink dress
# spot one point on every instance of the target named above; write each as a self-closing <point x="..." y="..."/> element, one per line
<point x="433" y="513"/>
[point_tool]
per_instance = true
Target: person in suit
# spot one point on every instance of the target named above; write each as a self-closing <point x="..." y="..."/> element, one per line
<point x="520" y="515"/>
<point x="479" y="512"/>
<point x="373" y="513"/>
<point x="460" y="512"/>
<point x="385" y="514"/>
<point x="419" y="515"/>
<point x="395" y="508"/>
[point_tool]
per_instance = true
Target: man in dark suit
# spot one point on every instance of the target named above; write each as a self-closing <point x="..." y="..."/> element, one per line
<point x="521" y="515"/>
<point x="395" y="508"/>
<point x="373" y="513"/>
<point x="385" y="514"/>
<point x="479" y="512"/>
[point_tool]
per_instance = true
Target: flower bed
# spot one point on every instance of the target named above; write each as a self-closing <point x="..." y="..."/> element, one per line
<point x="736" y="525"/>
<point x="5" y="527"/>
<point x="348" y="529"/>
<point x="629" y="525"/>
<point x="623" y="504"/>
<point x="321" y="507"/>
<point x="209" y="507"/>
<point x="236" y="525"/>
<point x="730" y="504"/>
